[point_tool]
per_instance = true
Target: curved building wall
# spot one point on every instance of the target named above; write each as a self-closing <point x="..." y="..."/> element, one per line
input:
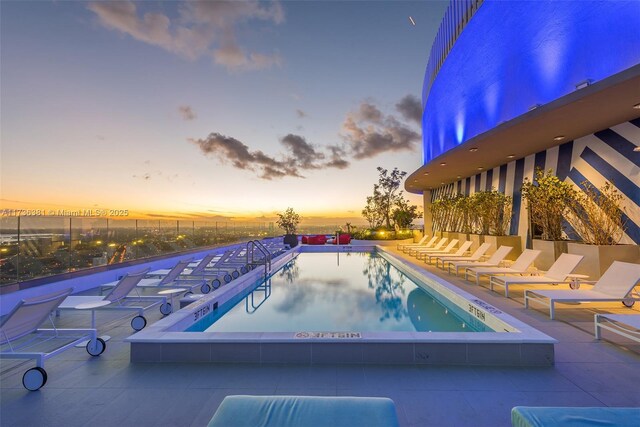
<point x="513" y="55"/>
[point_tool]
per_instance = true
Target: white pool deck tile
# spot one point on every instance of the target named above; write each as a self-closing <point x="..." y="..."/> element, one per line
<point x="109" y="390"/>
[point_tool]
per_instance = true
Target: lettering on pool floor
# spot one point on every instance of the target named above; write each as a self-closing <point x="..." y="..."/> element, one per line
<point x="338" y="335"/>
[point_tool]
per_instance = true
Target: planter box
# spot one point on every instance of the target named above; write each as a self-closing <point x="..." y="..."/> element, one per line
<point x="598" y="258"/>
<point x="476" y="241"/>
<point x="497" y="241"/>
<point x="550" y="251"/>
<point x="462" y="237"/>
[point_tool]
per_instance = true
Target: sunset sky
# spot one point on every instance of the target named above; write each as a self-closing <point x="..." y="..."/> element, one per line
<point x="213" y="109"/>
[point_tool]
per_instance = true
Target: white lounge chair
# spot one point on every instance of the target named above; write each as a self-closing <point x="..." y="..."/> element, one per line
<point x="439" y="245"/>
<point x="461" y="251"/>
<point x="494" y="260"/>
<point x="118" y="296"/>
<point x="175" y="278"/>
<point x="422" y="254"/>
<point x="520" y="266"/>
<point x="24" y="321"/>
<point x="616" y="284"/>
<point x="428" y="244"/>
<point x="437" y="248"/>
<point x="476" y="256"/>
<point x="627" y="325"/>
<point x="420" y="242"/>
<point x="557" y="273"/>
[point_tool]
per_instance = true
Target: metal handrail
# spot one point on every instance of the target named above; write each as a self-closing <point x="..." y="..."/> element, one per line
<point x="251" y="244"/>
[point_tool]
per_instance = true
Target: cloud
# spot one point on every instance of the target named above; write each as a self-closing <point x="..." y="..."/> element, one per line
<point x="301" y="114"/>
<point x="203" y="28"/>
<point x="304" y="154"/>
<point x="369" y="132"/>
<point x="338" y="155"/>
<point x="187" y="112"/>
<point x="229" y="149"/>
<point x="410" y="108"/>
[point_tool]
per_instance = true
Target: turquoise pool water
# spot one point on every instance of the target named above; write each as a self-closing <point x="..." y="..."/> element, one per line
<point x="346" y="292"/>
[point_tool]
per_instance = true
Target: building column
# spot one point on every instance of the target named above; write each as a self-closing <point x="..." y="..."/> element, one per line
<point x="426" y="206"/>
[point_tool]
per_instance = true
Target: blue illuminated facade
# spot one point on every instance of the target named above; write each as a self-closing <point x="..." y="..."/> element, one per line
<point x="513" y="55"/>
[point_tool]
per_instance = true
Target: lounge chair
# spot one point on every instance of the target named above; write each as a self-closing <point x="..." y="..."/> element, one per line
<point x="437" y="246"/>
<point x="476" y="256"/>
<point x="422" y="241"/>
<point x="118" y="296"/>
<point x="175" y="278"/>
<point x="461" y="251"/>
<point x="24" y="321"/>
<point x="627" y="325"/>
<point x="557" y="273"/>
<point x="520" y="266"/>
<point x="305" y="411"/>
<point x="436" y="249"/>
<point x="429" y="244"/>
<point x="447" y="249"/>
<point x="616" y="284"/>
<point x="495" y="260"/>
<point x="525" y="416"/>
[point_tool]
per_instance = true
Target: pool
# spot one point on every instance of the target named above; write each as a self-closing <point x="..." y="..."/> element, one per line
<point x="354" y="291"/>
<point x="347" y="304"/>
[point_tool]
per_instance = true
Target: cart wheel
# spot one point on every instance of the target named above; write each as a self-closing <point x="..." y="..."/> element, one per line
<point x="98" y="348"/>
<point x="34" y="378"/>
<point x="574" y="285"/>
<point x="165" y="308"/>
<point x="244" y="269"/>
<point x="215" y="283"/>
<point x="188" y="293"/>
<point x="235" y="274"/>
<point x="628" y="302"/>
<point x="205" y="289"/>
<point x="138" y="323"/>
<point x="227" y="278"/>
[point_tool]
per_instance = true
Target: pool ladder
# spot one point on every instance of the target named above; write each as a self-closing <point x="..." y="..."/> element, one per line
<point x="252" y="246"/>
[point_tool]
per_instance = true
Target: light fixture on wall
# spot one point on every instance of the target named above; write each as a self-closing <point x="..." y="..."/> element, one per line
<point x="426" y="173"/>
<point x="443" y="164"/>
<point x="511" y="156"/>
<point x="558" y="138"/>
<point x="458" y="176"/>
<point x="637" y="106"/>
<point x="480" y="168"/>
<point x="473" y="149"/>
<point x="584" y="84"/>
<point x="637" y="149"/>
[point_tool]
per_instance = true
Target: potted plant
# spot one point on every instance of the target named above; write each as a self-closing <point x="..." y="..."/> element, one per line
<point x="289" y="221"/>
<point x="548" y="201"/>
<point x="494" y="216"/>
<point x="596" y="215"/>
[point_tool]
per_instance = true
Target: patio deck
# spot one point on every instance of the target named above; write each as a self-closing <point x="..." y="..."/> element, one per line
<point x="109" y="390"/>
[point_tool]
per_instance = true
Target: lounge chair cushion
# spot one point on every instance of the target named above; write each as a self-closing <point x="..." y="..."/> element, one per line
<point x="307" y="411"/>
<point x="524" y="416"/>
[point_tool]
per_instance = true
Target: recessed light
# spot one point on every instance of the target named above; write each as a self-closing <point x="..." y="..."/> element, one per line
<point x="458" y="176"/>
<point x="443" y="164"/>
<point x="637" y="149"/>
<point x="442" y="183"/>
<point x="426" y="173"/>
<point x="637" y="106"/>
<point x="480" y="168"/>
<point x="473" y="149"/>
<point x="511" y="156"/>
<point x="558" y="138"/>
<point x="583" y="84"/>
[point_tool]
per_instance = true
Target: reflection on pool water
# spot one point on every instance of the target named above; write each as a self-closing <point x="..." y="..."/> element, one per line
<point x="338" y="292"/>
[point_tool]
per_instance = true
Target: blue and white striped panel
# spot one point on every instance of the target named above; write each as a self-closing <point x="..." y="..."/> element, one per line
<point x="606" y="155"/>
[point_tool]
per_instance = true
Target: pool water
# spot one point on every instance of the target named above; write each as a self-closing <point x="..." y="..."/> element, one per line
<point x="338" y="292"/>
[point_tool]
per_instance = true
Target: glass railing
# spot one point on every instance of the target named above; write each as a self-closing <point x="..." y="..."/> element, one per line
<point x="38" y="246"/>
<point x="32" y="247"/>
<point x="457" y="16"/>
